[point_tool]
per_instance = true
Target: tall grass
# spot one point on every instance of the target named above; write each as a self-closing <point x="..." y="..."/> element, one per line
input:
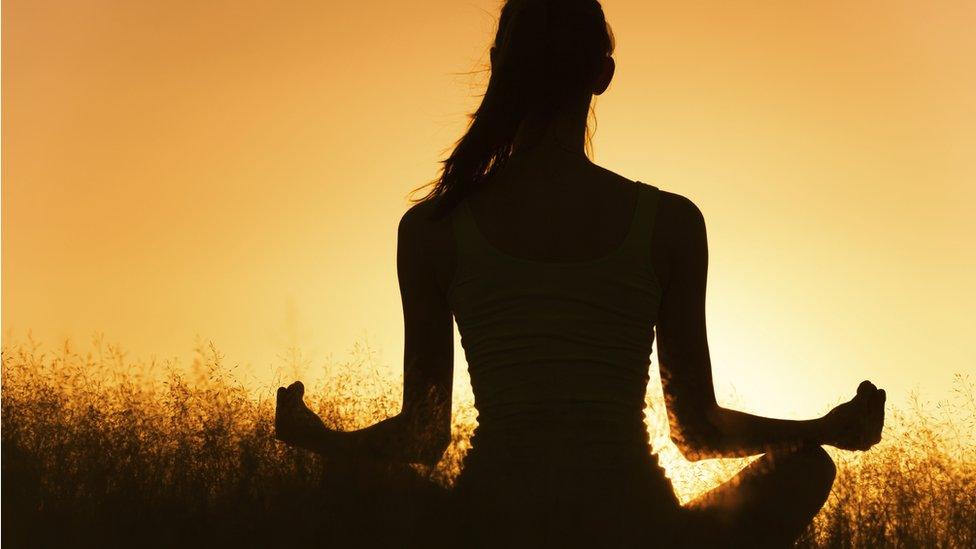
<point x="100" y="451"/>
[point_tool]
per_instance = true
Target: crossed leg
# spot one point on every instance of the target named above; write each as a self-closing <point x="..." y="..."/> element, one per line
<point x="768" y="504"/>
<point x="376" y="504"/>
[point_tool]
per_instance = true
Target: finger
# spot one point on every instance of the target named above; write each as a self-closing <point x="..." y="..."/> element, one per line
<point x="282" y="393"/>
<point x="877" y="403"/>
<point x="883" y="398"/>
<point x="866" y="388"/>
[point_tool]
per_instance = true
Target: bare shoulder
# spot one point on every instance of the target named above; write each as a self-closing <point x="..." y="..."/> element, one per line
<point x="419" y="222"/>
<point x="431" y="236"/>
<point x="417" y="219"/>
<point x="679" y="217"/>
<point x="679" y="237"/>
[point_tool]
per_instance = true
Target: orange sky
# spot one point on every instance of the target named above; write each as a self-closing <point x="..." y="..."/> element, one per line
<point x="237" y="170"/>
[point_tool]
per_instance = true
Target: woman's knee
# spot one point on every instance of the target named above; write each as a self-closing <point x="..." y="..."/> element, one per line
<point x="821" y="463"/>
<point x="819" y="469"/>
<point x="811" y="463"/>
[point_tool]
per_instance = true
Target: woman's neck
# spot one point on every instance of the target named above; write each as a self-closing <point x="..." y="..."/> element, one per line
<point x="564" y="130"/>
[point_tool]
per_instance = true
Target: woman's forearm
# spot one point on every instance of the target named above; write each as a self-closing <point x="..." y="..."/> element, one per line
<point x="391" y="439"/>
<point x="742" y="434"/>
<point x="369" y="440"/>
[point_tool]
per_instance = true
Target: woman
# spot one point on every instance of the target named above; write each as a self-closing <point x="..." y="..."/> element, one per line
<point x="557" y="272"/>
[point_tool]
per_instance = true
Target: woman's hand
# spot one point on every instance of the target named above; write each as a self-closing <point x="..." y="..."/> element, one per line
<point x="856" y="424"/>
<point x="295" y="423"/>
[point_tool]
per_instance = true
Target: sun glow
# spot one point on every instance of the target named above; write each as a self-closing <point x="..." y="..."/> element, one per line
<point x="173" y="170"/>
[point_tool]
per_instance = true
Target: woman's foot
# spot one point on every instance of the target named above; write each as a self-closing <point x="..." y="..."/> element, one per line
<point x="295" y="423"/>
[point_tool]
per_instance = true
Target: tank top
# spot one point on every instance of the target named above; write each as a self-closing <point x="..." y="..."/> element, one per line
<point x="558" y="352"/>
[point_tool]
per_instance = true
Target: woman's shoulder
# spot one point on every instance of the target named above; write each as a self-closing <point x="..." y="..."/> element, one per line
<point x="425" y="224"/>
<point x="679" y="236"/>
<point x="679" y="212"/>
<point x="422" y="217"/>
<point x="673" y="205"/>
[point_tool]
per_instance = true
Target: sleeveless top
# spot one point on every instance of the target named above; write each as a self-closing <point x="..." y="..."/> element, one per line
<point x="558" y="352"/>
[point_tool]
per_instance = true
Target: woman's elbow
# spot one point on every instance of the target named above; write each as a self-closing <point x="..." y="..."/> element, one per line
<point x="691" y="451"/>
<point x="429" y="444"/>
<point x="696" y="443"/>
<point x="431" y="452"/>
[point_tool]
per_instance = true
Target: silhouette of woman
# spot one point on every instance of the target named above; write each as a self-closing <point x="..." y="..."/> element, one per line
<point x="558" y="272"/>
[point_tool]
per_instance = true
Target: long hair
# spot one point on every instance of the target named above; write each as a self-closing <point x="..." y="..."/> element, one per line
<point x="547" y="51"/>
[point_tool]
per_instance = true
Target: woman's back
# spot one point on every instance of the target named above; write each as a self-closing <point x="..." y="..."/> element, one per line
<point x="558" y="350"/>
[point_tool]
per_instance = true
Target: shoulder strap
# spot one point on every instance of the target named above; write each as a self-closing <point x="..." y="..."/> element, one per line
<point x="642" y="230"/>
<point x="466" y="235"/>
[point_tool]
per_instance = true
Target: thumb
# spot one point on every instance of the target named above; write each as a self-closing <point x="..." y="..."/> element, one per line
<point x="297" y="389"/>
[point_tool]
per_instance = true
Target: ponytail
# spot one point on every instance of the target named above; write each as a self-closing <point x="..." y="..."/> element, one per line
<point x="545" y="51"/>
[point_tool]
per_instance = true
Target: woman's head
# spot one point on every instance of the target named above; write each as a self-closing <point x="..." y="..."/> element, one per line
<point x="547" y="52"/>
<point x="548" y="55"/>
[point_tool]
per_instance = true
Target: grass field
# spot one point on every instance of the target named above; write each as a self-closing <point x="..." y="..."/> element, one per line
<point x="98" y="451"/>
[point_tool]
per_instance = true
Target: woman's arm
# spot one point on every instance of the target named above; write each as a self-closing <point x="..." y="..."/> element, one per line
<point x="699" y="426"/>
<point x="422" y="430"/>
